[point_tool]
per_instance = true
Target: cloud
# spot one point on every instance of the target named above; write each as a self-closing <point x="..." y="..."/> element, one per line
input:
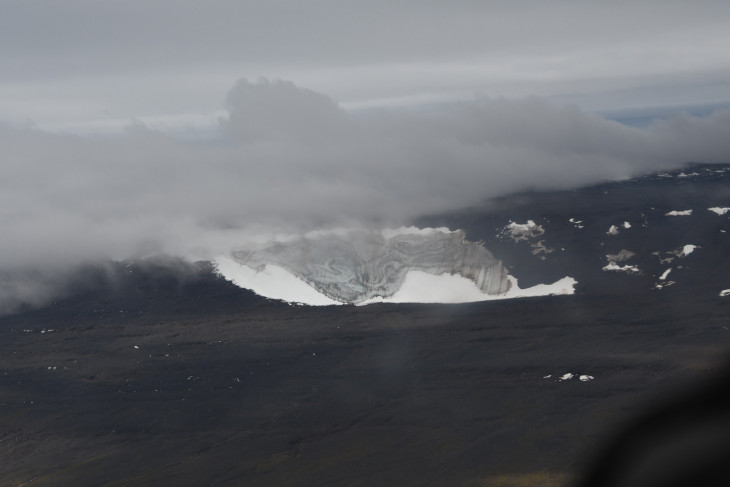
<point x="279" y="109"/>
<point x="290" y="159"/>
<point x="82" y="65"/>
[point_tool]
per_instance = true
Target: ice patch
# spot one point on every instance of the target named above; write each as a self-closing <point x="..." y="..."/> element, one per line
<point x="271" y="281"/>
<point x="586" y="378"/>
<point x="539" y="248"/>
<point x="613" y="230"/>
<point x="422" y="287"/>
<point x="678" y="213"/>
<point x="665" y="274"/>
<point x="627" y="225"/>
<point x="719" y="210"/>
<point x="725" y="292"/>
<point x="566" y="376"/>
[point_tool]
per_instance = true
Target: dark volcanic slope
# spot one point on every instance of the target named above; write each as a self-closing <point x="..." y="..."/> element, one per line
<point x="580" y="249"/>
<point x="148" y="374"/>
<point x="245" y="392"/>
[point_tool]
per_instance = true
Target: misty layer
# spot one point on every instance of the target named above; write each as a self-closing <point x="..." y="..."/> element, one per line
<point x="289" y="159"/>
<point x="358" y="266"/>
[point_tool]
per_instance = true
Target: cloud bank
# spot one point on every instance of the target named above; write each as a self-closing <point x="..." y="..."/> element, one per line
<point x="86" y="66"/>
<point x="289" y="159"/>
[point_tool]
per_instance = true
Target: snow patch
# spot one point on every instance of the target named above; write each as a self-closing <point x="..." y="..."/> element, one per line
<point x="725" y="292"/>
<point x="523" y="231"/>
<point x="621" y="256"/>
<point x="683" y="251"/>
<point x="526" y="231"/>
<point x="271" y="281"/>
<point x="688" y="249"/>
<point x="629" y="269"/>
<point x="576" y="223"/>
<point x="678" y="213"/>
<point x="613" y="230"/>
<point x="627" y="225"/>
<point x="570" y="376"/>
<point x="665" y="274"/>
<point x="719" y="210"/>
<point x="422" y="287"/>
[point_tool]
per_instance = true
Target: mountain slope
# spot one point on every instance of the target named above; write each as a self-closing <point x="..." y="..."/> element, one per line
<point x="162" y="372"/>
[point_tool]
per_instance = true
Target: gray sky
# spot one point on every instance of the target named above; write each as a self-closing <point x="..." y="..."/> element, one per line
<point x="135" y="128"/>
<point x="90" y="66"/>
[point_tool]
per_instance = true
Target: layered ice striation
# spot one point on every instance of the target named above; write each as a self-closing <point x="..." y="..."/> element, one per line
<point x="358" y="265"/>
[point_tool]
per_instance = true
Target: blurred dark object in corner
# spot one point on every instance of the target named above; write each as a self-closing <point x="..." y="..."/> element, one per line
<point x="685" y="442"/>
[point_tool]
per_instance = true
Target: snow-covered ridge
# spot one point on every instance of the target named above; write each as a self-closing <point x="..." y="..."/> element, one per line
<point x="362" y="267"/>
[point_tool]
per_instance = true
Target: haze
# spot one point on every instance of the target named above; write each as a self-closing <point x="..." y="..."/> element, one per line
<point x="137" y="128"/>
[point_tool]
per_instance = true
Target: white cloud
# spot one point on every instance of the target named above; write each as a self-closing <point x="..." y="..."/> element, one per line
<point x="159" y="58"/>
<point x="288" y="157"/>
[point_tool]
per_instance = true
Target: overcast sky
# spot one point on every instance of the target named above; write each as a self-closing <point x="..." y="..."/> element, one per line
<point x="86" y="65"/>
<point x="184" y="127"/>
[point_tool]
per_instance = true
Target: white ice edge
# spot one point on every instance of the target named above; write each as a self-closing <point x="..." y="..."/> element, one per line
<point x="275" y="282"/>
<point x="271" y="282"/>
<point x="422" y="287"/>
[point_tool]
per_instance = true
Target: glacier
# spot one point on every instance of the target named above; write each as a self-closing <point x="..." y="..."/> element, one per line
<point x="358" y="266"/>
<point x="402" y="265"/>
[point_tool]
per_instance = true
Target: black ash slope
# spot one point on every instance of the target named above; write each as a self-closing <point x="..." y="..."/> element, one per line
<point x="157" y="376"/>
<point x="579" y="248"/>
